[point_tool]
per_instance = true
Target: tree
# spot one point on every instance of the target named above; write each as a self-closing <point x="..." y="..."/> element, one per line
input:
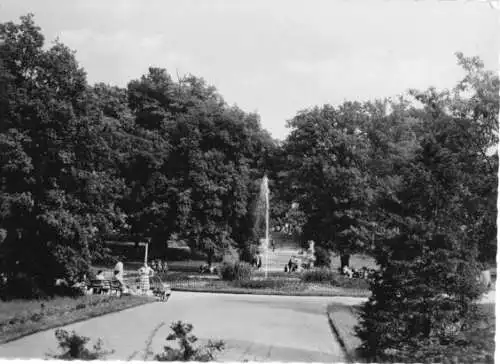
<point x="57" y="195"/>
<point x="200" y="190"/>
<point x="326" y="164"/>
<point x="83" y="164"/>
<point x="435" y="226"/>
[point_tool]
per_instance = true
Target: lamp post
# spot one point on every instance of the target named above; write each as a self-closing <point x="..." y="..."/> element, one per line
<point x="146" y="252"/>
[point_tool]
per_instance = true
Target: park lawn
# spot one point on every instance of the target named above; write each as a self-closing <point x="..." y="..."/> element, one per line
<point x="343" y="319"/>
<point x="19" y="318"/>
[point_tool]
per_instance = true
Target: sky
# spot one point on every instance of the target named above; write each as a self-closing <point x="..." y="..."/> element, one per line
<point x="274" y="57"/>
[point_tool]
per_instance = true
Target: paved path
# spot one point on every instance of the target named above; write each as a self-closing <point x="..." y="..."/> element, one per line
<point x="255" y="328"/>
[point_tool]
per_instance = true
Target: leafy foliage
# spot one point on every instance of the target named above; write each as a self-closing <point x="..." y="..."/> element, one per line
<point x="326" y="163"/>
<point x="319" y="275"/>
<point x="235" y="271"/>
<point x="53" y="197"/>
<point x="83" y="164"/>
<point x="433" y="233"/>
<point x="264" y="284"/>
<point x="323" y="257"/>
<point x="74" y="347"/>
<point x="187" y="351"/>
<point x="413" y="182"/>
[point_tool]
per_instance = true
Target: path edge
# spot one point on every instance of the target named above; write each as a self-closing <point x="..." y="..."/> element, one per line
<point x="339" y="338"/>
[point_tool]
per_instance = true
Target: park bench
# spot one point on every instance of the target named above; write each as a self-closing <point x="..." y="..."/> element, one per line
<point x="106" y="286"/>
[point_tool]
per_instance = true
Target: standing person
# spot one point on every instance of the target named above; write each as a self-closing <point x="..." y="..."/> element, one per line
<point x="119" y="272"/>
<point x="144" y="272"/>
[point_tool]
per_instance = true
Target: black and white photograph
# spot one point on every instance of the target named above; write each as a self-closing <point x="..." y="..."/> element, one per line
<point x="280" y="181"/>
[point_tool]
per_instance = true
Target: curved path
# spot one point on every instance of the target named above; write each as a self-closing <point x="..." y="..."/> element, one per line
<point x="255" y="328"/>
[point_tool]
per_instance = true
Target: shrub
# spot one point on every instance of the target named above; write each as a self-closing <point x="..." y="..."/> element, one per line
<point x="319" y="275"/>
<point x="22" y="286"/>
<point x="237" y="271"/>
<point x="73" y="347"/>
<point x="396" y="319"/>
<point x="186" y="350"/>
<point x="323" y="257"/>
<point x="262" y="284"/>
<point x="37" y="316"/>
<point x="249" y="250"/>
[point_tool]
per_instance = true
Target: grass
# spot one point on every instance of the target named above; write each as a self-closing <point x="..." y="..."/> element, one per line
<point x="19" y="318"/>
<point x="343" y="319"/>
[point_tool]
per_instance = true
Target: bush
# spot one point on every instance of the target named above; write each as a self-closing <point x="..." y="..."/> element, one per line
<point x="248" y="252"/>
<point x="396" y="320"/>
<point x="73" y="347"/>
<point x="263" y="284"/>
<point x="237" y="271"/>
<point x="186" y="350"/>
<point x="319" y="275"/>
<point x="323" y="257"/>
<point x="24" y="287"/>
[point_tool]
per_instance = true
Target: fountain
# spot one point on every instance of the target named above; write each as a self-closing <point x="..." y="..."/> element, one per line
<point x="264" y="200"/>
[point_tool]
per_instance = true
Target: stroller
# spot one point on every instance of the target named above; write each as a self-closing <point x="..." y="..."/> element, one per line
<point x="160" y="289"/>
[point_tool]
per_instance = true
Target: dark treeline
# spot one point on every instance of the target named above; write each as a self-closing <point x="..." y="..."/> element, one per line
<point x="80" y="164"/>
<point x="411" y="181"/>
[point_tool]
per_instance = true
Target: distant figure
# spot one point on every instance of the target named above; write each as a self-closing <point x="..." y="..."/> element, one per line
<point x="118" y="272"/>
<point x="347" y="271"/>
<point x="257" y="260"/>
<point x="486" y="278"/>
<point x="145" y="272"/>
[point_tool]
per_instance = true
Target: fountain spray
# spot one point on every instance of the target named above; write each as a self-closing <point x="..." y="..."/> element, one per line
<point x="265" y="185"/>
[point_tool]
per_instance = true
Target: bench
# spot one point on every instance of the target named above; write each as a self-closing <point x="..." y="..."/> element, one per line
<point x="106" y="286"/>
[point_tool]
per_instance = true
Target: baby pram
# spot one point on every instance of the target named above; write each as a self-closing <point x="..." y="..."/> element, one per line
<point x="160" y="289"/>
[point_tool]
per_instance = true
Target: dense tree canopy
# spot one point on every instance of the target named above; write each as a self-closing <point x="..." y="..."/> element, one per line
<point x="411" y="181"/>
<point x="82" y="164"/>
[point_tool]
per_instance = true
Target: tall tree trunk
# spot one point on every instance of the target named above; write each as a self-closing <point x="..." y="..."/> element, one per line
<point x="344" y="260"/>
